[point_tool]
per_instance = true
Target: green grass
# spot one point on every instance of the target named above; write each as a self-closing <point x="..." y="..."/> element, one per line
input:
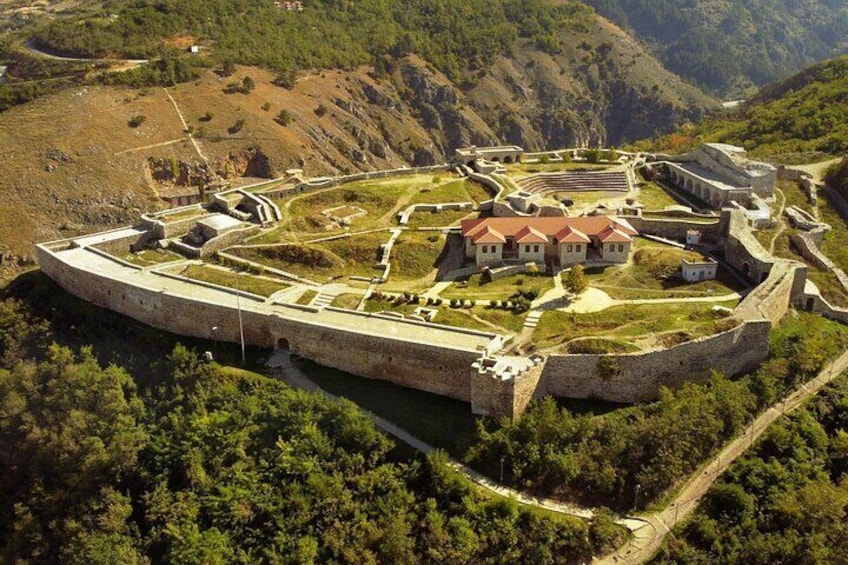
<point x="437" y="219"/>
<point x="307" y="297"/>
<point x="452" y="191"/>
<point x="415" y="255"/>
<point x="654" y="197"/>
<point x="529" y="168"/>
<point x="348" y="301"/>
<point x="654" y="274"/>
<point x="834" y="244"/>
<point x="230" y="279"/>
<point x="627" y="323"/>
<point x="149" y="257"/>
<point x="474" y="287"/>
<point x="351" y="256"/>
<point x="829" y="286"/>
<point x="586" y="198"/>
<point x="438" y="420"/>
<point x="795" y="195"/>
<point x="455" y="317"/>
<point x="376" y="197"/>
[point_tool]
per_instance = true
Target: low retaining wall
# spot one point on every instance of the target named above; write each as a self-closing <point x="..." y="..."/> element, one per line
<point x="676" y="229"/>
<point x="328" y="182"/>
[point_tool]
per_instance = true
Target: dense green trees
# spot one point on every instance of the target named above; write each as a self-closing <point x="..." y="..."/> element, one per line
<point x="216" y="465"/>
<point x="453" y="35"/>
<point x="804" y="113"/>
<point x="728" y="47"/>
<point x="606" y="459"/>
<point x="787" y="502"/>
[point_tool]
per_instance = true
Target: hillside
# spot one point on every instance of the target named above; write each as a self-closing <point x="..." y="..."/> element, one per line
<point x="584" y="82"/>
<point x="730" y="48"/>
<point x="800" y="118"/>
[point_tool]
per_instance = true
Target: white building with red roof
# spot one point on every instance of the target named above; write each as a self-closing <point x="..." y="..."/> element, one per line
<point x="561" y="241"/>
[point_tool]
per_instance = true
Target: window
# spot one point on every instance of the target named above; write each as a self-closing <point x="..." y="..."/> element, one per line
<point x="535" y="249"/>
<point x="621" y="248"/>
<point x="568" y="248"/>
<point x="485" y="249"/>
<point x="577" y="248"/>
<point x="526" y="249"/>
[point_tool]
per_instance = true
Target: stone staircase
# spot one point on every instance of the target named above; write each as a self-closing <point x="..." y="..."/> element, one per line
<point x="532" y="319"/>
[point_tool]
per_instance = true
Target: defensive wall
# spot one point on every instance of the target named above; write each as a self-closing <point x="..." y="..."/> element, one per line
<point x="638" y="377"/>
<point x="418" y="355"/>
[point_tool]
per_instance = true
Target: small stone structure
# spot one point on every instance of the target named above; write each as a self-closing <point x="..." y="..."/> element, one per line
<point x="696" y="271"/>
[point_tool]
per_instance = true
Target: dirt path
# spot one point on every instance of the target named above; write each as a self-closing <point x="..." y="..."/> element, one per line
<point x="185" y="127"/>
<point x="640" y="550"/>
<point x="130" y="63"/>
<point x="817" y="170"/>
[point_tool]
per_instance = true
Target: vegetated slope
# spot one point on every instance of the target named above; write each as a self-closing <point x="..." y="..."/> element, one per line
<point x="559" y="73"/>
<point x="805" y="113"/>
<point x="176" y="460"/>
<point x="565" y="78"/>
<point x="786" y="502"/>
<point x="730" y="47"/>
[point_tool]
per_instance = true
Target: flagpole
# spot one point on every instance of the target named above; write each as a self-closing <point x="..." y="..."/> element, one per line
<point x="241" y="326"/>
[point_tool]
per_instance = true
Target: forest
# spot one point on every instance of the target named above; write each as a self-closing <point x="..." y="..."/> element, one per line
<point x="180" y="460"/>
<point x="454" y="36"/>
<point x="730" y="48"/>
<point x="648" y="448"/>
<point x="786" y="501"/>
<point x="806" y="113"/>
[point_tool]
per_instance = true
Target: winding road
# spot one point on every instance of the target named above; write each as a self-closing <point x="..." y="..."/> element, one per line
<point x="30" y="46"/>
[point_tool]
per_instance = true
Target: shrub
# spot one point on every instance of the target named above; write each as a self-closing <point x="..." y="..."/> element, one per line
<point x="207" y="117"/>
<point x="236" y="127"/>
<point x="266" y="106"/>
<point x="136" y="121"/>
<point x="321" y="111"/>
<point x="284" y="118"/>
<point x="285" y="80"/>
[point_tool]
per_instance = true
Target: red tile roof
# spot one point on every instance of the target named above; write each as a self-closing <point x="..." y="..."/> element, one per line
<point x="570" y="235"/>
<point x="488" y="235"/>
<point x="529" y="234"/>
<point x="548" y="227"/>
<point x="612" y="235"/>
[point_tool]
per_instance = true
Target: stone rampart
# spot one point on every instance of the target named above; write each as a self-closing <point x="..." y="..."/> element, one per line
<point x="638" y="377"/>
<point x="744" y="252"/>
<point x="416" y="364"/>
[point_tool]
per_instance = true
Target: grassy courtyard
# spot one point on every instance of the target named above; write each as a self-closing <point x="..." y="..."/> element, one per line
<point x="632" y="326"/>
<point x="415" y="255"/>
<point x="655" y="273"/>
<point x="356" y="255"/>
<point x="150" y="257"/>
<point x="482" y="318"/>
<point x="474" y="287"/>
<point x="241" y="281"/>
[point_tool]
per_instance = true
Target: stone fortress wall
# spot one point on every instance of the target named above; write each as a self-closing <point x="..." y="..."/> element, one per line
<point x="446" y="369"/>
<point x="416" y="364"/>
